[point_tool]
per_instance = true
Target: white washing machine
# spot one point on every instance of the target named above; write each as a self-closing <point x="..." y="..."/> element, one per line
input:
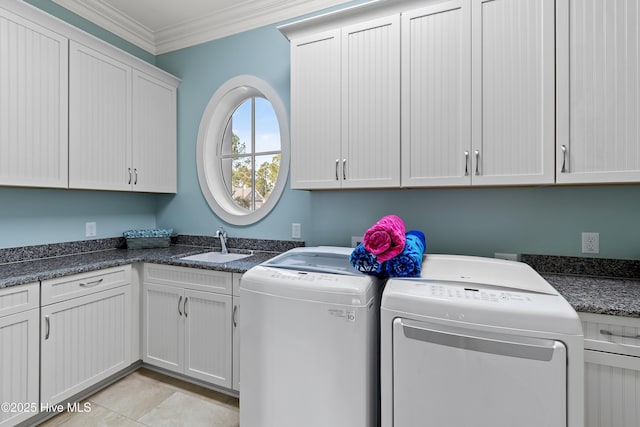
<point x="479" y="342"/>
<point x="309" y="342"/>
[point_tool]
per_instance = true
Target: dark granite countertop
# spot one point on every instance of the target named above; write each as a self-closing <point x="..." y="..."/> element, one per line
<point x="600" y="295"/>
<point x="593" y="285"/>
<point x="22" y="272"/>
<point x="590" y="285"/>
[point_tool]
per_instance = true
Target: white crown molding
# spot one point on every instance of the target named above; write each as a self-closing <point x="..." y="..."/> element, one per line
<point x="112" y="20"/>
<point x="241" y="17"/>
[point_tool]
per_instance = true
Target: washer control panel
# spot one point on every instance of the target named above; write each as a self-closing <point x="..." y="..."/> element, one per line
<point x="302" y="276"/>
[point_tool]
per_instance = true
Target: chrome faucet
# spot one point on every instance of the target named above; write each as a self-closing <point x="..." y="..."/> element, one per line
<point x="222" y="235"/>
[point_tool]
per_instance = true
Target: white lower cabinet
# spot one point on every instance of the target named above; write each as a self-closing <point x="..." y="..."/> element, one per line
<point x="187" y="322"/>
<point x="612" y="370"/>
<point x="235" y="320"/>
<point x="19" y="353"/>
<point x="86" y="337"/>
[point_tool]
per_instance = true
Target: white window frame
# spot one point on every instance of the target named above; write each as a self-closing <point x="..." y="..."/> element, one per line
<point x="214" y="121"/>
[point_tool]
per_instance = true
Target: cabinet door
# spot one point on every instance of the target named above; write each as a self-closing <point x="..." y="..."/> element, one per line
<point x="612" y="390"/>
<point x="99" y="121"/>
<point x="235" y="320"/>
<point x="371" y="104"/>
<point x="154" y="135"/>
<point x="436" y="95"/>
<point x="19" y="364"/>
<point x="163" y="326"/>
<point x="598" y="136"/>
<point x="33" y="104"/>
<point x="208" y="345"/>
<point x="315" y="112"/>
<point x="84" y="340"/>
<point x="513" y="126"/>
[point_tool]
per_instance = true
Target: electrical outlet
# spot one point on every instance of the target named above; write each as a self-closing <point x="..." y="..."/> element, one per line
<point x="90" y="229"/>
<point x="356" y="240"/>
<point x="590" y="243"/>
<point x="296" y="231"/>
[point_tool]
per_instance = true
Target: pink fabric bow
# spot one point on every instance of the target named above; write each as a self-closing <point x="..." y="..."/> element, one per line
<point x="386" y="238"/>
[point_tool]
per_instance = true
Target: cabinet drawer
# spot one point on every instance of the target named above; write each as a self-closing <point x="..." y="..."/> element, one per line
<point x="190" y="278"/>
<point x="64" y="288"/>
<point x="19" y="298"/>
<point x="611" y="334"/>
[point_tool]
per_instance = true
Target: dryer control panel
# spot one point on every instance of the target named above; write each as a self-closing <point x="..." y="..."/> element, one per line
<point x="478" y="294"/>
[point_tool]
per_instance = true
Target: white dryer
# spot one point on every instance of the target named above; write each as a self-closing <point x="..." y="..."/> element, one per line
<point x="309" y="342"/>
<point x="479" y="342"/>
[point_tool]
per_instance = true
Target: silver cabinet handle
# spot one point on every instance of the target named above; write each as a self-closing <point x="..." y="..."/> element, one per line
<point x="47" y="322"/>
<point x="179" y="301"/>
<point x="184" y="307"/>
<point x="466" y="163"/>
<point x="613" y="334"/>
<point x="337" y="166"/>
<point x="135" y="176"/>
<point x="129" y="176"/>
<point x="477" y="154"/>
<point x="564" y="159"/>
<point x="91" y="284"/>
<point x="344" y="169"/>
<point x="233" y="317"/>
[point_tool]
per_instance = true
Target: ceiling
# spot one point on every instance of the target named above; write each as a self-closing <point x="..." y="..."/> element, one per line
<point x="160" y="26"/>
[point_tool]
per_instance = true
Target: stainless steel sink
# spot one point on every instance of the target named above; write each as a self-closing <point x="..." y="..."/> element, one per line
<point x="215" y="257"/>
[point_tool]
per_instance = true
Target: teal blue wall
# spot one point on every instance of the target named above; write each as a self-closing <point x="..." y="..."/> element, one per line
<point x="482" y="221"/>
<point x="543" y="220"/>
<point x="32" y="216"/>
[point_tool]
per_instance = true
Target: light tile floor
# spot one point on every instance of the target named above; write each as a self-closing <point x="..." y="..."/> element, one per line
<point x="147" y="398"/>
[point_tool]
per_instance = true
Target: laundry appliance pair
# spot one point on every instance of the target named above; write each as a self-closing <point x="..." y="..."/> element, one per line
<point x="473" y="342"/>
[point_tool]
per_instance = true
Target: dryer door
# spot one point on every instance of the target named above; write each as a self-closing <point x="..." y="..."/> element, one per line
<point x="447" y="376"/>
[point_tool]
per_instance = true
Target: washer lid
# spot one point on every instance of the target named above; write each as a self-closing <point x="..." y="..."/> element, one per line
<point x="322" y="259"/>
<point x="319" y="274"/>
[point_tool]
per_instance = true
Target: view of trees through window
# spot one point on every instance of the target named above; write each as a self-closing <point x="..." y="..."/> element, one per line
<point x="251" y="153"/>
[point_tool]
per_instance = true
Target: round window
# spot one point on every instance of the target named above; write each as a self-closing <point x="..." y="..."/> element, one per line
<point x="243" y="150"/>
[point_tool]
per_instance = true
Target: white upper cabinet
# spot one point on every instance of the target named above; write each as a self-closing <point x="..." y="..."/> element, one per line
<point x="598" y="135"/>
<point x="436" y="95"/>
<point x="154" y="125"/>
<point x="345" y="98"/>
<point x="99" y="121"/>
<point x="76" y="112"/>
<point x="371" y="104"/>
<point x="470" y="101"/>
<point x="478" y="93"/>
<point x="122" y="127"/>
<point x="33" y="104"/>
<point x="315" y="111"/>
<point x="513" y="92"/>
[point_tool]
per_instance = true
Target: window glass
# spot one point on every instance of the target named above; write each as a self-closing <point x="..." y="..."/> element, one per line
<point x="267" y="132"/>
